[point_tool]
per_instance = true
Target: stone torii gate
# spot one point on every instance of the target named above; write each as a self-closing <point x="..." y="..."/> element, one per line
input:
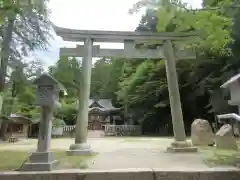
<point x="88" y="50"/>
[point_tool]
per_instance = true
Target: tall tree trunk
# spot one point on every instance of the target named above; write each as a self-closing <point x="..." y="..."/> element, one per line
<point x="7" y="38"/>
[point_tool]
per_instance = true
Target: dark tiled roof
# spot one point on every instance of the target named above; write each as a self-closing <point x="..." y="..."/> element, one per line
<point x="230" y="81"/>
<point x="102" y="105"/>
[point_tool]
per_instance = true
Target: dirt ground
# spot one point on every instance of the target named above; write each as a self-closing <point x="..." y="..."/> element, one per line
<point x="124" y="152"/>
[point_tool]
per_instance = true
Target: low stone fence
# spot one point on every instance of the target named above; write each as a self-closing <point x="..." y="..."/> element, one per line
<point x="65" y="131"/>
<point x="57" y="131"/>
<point x="69" y="131"/>
<point x="127" y="174"/>
<point x="110" y="130"/>
<point x="69" y="128"/>
<point x="122" y="130"/>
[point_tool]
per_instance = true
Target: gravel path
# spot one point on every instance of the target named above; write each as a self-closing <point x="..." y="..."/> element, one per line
<point x="118" y="153"/>
<point x="144" y="153"/>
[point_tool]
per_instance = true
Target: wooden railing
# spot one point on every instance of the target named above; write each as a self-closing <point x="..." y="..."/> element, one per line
<point x="122" y="130"/>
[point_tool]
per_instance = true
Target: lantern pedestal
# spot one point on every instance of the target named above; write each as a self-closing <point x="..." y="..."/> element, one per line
<point x="40" y="161"/>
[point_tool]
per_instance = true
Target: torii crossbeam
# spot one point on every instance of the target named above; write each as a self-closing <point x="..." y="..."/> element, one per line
<point x="166" y="51"/>
<point x="119" y="36"/>
<point x="127" y="52"/>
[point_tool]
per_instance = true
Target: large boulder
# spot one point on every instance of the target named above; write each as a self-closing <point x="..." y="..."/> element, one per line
<point x="225" y="138"/>
<point x="201" y="133"/>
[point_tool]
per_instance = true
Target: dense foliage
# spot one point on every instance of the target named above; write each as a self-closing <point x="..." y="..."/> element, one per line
<point x="199" y="79"/>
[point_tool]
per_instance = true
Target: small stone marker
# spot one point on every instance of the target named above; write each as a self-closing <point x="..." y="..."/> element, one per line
<point x="201" y="133"/>
<point x="225" y="138"/>
<point x="48" y="90"/>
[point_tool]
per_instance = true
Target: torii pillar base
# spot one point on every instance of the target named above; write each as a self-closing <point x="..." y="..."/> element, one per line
<point x="181" y="147"/>
<point x="80" y="149"/>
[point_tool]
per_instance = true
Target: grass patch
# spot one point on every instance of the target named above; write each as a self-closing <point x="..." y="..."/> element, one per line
<point x="221" y="157"/>
<point x="12" y="160"/>
<point x="225" y="157"/>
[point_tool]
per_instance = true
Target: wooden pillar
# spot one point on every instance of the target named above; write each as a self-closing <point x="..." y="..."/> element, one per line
<point x="30" y="130"/>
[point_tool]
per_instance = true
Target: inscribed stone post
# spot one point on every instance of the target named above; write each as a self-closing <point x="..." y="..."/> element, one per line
<point x="201" y="133"/>
<point x="225" y="138"/>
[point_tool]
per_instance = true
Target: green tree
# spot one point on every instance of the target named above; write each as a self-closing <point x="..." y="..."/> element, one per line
<point x="19" y="20"/>
<point x="145" y="83"/>
<point x="100" y="76"/>
<point x="14" y="6"/>
<point x="19" y="96"/>
<point x="17" y="42"/>
<point x="68" y="72"/>
<point x="213" y="22"/>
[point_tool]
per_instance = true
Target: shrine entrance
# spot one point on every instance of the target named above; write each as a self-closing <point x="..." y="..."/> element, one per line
<point x="167" y="49"/>
<point x="101" y="113"/>
<point x="95" y="125"/>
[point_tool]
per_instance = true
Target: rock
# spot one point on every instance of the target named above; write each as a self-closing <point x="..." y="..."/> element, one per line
<point x="201" y="133"/>
<point x="225" y="138"/>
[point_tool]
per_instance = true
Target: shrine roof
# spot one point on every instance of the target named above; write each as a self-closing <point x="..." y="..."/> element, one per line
<point x="102" y="110"/>
<point x="17" y="118"/>
<point x="101" y="105"/>
<point x="230" y="81"/>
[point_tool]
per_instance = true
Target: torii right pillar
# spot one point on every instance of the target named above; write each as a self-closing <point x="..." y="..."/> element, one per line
<point x="180" y="143"/>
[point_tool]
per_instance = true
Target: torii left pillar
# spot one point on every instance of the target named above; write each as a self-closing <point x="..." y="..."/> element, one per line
<point x="180" y="143"/>
<point x="81" y="147"/>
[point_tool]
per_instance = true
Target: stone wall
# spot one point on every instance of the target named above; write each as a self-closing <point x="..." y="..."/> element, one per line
<point x="69" y="131"/>
<point x="110" y="130"/>
<point x="129" y="174"/>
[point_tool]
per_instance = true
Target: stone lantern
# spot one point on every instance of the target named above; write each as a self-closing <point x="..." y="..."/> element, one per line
<point x="233" y="84"/>
<point x="48" y="90"/>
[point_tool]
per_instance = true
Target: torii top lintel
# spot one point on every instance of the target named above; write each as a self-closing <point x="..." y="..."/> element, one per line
<point x="118" y="36"/>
